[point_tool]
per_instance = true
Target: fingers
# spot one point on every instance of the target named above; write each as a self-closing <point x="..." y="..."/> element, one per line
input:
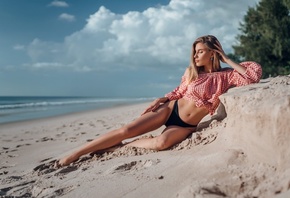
<point x="151" y="108"/>
<point x="221" y="52"/>
<point x="147" y="110"/>
<point x="219" y="47"/>
<point x="218" y="43"/>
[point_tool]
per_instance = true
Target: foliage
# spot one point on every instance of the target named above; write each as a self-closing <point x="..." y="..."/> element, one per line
<point x="265" y="37"/>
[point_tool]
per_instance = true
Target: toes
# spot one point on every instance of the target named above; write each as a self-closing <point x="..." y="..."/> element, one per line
<point x="57" y="165"/>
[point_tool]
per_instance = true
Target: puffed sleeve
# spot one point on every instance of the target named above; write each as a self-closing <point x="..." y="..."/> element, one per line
<point x="179" y="91"/>
<point x="252" y="74"/>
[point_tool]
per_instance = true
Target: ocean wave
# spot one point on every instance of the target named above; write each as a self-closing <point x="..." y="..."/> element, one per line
<point x="70" y="102"/>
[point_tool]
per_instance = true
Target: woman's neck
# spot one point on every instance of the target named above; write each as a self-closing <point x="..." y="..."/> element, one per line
<point x="208" y="69"/>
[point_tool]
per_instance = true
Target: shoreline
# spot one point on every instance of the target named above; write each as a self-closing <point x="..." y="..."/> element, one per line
<point x="29" y="108"/>
<point x="68" y="115"/>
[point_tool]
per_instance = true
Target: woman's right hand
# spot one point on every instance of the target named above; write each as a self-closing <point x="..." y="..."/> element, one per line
<point x="155" y="104"/>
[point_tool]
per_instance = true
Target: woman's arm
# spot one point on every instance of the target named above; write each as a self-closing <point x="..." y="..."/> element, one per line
<point x="239" y="68"/>
<point x="243" y="73"/>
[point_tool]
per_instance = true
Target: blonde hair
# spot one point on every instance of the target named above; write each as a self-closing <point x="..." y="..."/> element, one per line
<point x="209" y="41"/>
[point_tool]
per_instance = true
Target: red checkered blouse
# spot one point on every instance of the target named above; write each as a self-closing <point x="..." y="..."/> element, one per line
<point x="207" y="88"/>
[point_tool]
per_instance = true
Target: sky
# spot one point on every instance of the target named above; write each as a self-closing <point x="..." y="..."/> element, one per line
<point x="107" y="48"/>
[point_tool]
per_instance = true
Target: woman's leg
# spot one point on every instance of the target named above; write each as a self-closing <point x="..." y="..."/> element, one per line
<point x="145" y="123"/>
<point x="170" y="136"/>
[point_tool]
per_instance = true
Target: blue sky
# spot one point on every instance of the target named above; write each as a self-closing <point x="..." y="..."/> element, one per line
<point x="109" y="48"/>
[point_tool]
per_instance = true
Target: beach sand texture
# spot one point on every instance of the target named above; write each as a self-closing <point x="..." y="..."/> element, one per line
<point x="242" y="151"/>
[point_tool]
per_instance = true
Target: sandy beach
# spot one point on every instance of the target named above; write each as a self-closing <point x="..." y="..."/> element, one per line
<point x="241" y="151"/>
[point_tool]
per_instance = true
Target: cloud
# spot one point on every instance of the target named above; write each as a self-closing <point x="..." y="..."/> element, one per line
<point x="19" y="47"/>
<point x="67" y="17"/>
<point x="58" y="4"/>
<point x="48" y="65"/>
<point x="157" y="38"/>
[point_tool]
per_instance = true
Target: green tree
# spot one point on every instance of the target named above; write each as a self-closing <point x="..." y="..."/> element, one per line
<point x="265" y="36"/>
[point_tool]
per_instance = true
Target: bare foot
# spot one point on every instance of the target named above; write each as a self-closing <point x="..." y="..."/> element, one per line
<point x="65" y="161"/>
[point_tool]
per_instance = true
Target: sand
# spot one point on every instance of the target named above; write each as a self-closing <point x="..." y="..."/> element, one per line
<point x="241" y="151"/>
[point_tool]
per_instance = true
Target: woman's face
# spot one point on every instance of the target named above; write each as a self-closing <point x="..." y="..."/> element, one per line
<point x="202" y="55"/>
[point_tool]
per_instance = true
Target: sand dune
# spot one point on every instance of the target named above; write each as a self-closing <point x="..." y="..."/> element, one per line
<point x="242" y="151"/>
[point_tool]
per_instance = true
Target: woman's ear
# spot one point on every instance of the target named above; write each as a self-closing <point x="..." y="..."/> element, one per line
<point x="213" y="54"/>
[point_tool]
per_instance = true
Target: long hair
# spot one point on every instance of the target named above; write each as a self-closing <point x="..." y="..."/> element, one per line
<point x="209" y="41"/>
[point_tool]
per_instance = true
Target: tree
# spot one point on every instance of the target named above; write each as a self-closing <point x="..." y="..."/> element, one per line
<point x="265" y="36"/>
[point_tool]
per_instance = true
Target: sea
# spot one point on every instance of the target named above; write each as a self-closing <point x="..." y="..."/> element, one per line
<point x="21" y="108"/>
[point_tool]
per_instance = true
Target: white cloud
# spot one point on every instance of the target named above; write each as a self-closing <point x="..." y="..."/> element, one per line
<point x="159" y="37"/>
<point x="59" y="4"/>
<point x="18" y="47"/>
<point x="67" y="17"/>
<point x="48" y="65"/>
<point x="43" y="51"/>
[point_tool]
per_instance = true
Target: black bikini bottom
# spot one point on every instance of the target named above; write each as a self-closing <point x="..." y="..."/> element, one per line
<point x="174" y="118"/>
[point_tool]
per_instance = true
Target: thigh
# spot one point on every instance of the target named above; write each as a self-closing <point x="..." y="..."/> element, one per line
<point x="174" y="134"/>
<point x="149" y="121"/>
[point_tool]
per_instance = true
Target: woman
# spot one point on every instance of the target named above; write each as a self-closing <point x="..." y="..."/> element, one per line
<point x="183" y="108"/>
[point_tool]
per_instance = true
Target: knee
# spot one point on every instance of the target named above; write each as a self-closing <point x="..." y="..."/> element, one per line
<point x="161" y="143"/>
<point x="124" y="132"/>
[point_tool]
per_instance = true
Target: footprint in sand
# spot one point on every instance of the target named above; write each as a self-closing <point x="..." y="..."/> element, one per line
<point x="89" y="140"/>
<point x="104" y="124"/>
<point x="66" y="170"/>
<point x="92" y="125"/>
<point x="4" y="173"/>
<point x="20" y="145"/>
<point x="11" y="179"/>
<point x="14" y="189"/>
<point x="125" y="166"/>
<point x="71" y="139"/>
<point x="49" y="167"/>
<point x="44" y="139"/>
<point x="81" y="133"/>
<point x="6" y="150"/>
<point x="62" y="191"/>
<point x="12" y="156"/>
<point x="121" y="168"/>
<point x="38" y="191"/>
<point x="134" y="165"/>
<point x="60" y="134"/>
<point x="200" y="138"/>
<point x="45" y="168"/>
<point x="197" y="138"/>
<point x="213" y="191"/>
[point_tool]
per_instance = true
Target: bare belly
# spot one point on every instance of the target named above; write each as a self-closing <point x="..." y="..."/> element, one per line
<point x="189" y="113"/>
